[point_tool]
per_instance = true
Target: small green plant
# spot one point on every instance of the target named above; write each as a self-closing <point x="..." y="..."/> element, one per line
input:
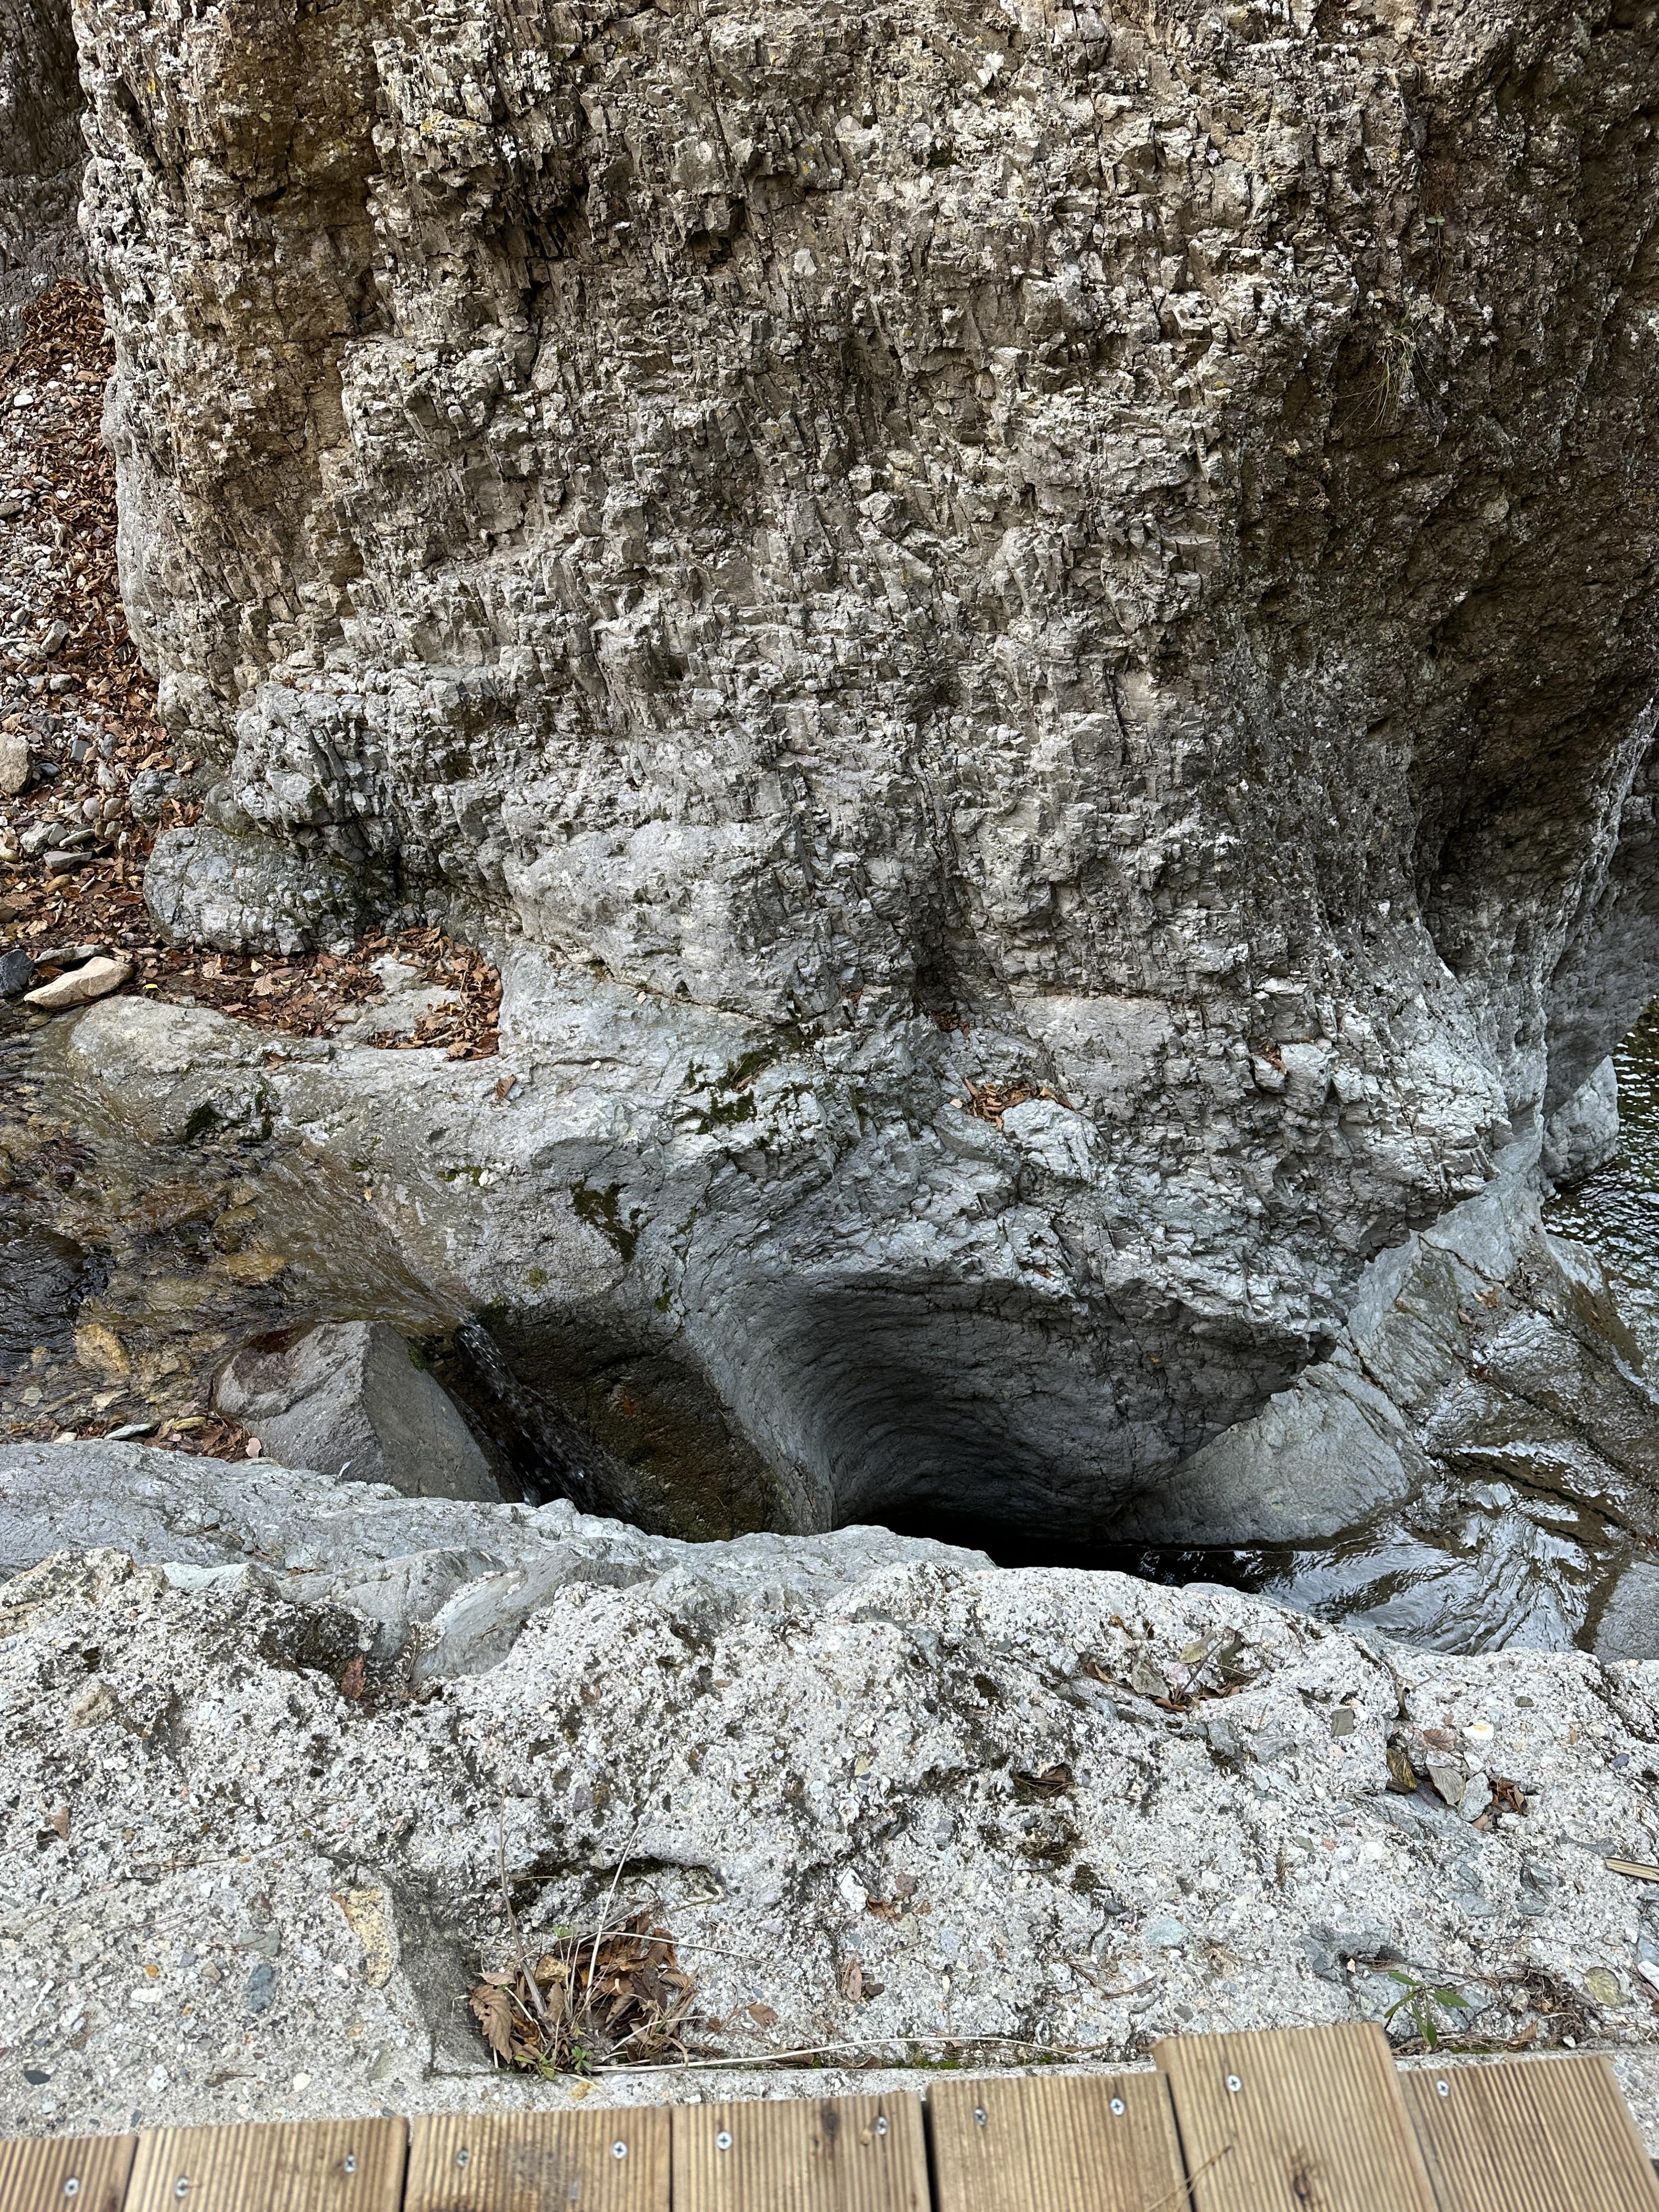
<point x="1421" y="2002"/>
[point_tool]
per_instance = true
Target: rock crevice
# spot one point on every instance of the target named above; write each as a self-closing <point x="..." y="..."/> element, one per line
<point x="1033" y="642"/>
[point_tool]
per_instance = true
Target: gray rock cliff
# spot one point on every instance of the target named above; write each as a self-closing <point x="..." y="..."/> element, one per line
<point x="1032" y="632"/>
<point x="40" y="155"/>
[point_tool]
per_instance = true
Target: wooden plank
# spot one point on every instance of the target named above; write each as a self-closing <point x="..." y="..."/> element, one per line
<point x="286" y="2166"/>
<point x="819" y="2154"/>
<point x="1295" y="2118"/>
<point x="539" y="2162"/>
<point x="66" y="2173"/>
<point x="1084" y="2142"/>
<point x="1533" y="2134"/>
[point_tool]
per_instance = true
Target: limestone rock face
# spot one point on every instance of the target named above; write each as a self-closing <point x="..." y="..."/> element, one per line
<point x="901" y="1796"/>
<point x="1042" y="620"/>
<point x="40" y="155"/>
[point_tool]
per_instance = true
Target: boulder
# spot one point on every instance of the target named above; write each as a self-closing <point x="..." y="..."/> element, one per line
<point x="1582" y="1132"/>
<point x="999" y="648"/>
<point x="353" y="1399"/>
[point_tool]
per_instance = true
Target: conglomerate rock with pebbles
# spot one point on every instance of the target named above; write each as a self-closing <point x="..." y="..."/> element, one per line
<point x="891" y="1805"/>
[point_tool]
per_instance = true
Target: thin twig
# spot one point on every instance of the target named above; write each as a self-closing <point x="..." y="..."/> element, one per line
<point x="909" y="2042"/>
<point x="519" y="1959"/>
<point x="1186" y="2187"/>
<point x="604" y="1916"/>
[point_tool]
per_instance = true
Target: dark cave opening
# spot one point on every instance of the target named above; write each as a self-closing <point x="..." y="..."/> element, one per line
<point x="1010" y="1543"/>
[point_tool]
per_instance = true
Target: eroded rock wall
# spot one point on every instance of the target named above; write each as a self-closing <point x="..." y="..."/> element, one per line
<point x="942" y="556"/>
<point x="40" y="154"/>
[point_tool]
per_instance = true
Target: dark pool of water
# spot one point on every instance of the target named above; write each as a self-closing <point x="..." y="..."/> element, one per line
<point x="43" y="1279"/>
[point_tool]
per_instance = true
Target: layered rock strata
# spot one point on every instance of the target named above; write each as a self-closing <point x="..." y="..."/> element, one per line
<point x="890" y="1801"/>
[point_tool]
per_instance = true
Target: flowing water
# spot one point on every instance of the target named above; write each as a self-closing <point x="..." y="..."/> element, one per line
<point x="1465" y="1566"/>
<point x="1616" y="1210"/>
<point x="129" y="1271"/>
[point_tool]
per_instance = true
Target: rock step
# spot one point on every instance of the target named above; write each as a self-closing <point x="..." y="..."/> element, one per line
<point x="1247" y="2121"/>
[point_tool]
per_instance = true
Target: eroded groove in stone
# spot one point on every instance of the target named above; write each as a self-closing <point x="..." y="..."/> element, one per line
<point x="1041" y="630"/>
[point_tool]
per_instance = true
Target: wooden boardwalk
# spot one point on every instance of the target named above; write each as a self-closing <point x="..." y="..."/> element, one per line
<point x="1301" y="2120"/>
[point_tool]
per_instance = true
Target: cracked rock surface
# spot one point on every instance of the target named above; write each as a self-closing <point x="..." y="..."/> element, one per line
<point x="884" y="1794"/>
<point x="1096" y="569"/>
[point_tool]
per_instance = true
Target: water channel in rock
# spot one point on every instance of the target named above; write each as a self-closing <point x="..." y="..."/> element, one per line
<point x="128" y="1272"/>
<point x="1467" y="1566"/>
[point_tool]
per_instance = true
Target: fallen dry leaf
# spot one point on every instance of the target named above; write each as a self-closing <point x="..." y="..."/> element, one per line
<point x="584" y="2003"/>
<point x="1047" y="1781"/>
<point x="493" y="2009"/>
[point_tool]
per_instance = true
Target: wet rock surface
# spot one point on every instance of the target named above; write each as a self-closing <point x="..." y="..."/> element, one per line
<point x="884" y="1797"/>
<point x="1476" y="1463"/>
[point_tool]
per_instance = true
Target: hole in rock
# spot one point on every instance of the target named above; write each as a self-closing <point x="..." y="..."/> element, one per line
<point x="130" y="1272"/>
<point x="1459" y="1567"/>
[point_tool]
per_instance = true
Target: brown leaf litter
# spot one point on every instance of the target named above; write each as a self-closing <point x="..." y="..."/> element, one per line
<point x="989" y="1101"/>
<point x="621" y="1997"/>
<point x="87" y="708"/>
<point x="1218" y="1665"/>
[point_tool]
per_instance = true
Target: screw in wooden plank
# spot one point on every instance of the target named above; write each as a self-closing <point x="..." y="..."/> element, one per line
<point x="350" y="2161"/>
<point x="1119" y="2108"/>
<point x="72" y="2184"/>
<point x="1234" y="2083"/>
<point x="181" y="2187"/>
<point x="1443" y="2088"/>
<point x="722" y="2141"/>
<point x="463" y="2156"/>
<point x="619" y="2150"/>
<point x="881" y="2124"/>
<point x="979" y="2115"/>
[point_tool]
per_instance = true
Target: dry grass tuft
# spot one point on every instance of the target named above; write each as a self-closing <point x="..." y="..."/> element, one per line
<point x="619" y="1996"/>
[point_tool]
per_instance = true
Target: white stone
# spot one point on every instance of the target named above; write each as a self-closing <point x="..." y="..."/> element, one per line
<point x="14" y="762"/>
<point x="78" y="986"/>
